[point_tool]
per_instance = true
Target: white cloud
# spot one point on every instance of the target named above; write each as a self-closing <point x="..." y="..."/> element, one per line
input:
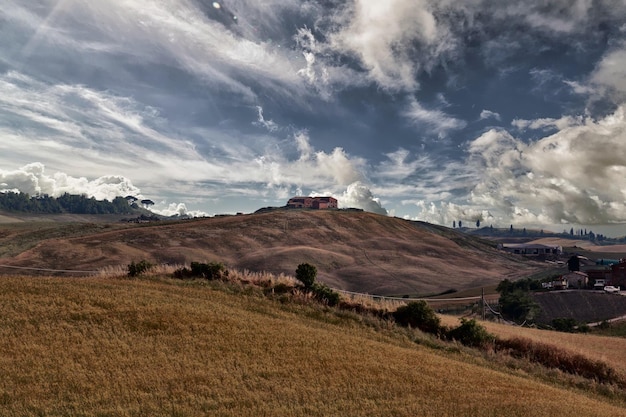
<point x="548" y="123"/>
<point x="33" y="180"/>
<point x="84" y="80"/>
<point x="99" y="129"/>
<point x="312" y="169"/>
<point x="435" y="121"/>
<point x="610" y="73"/>
<point x="106" y="133"/>
<point x="175" y="33"/>
<point x="574" y="175"/>
<point x="448" y="213"/>
<point x="176" y="209"/>
<point x="270" y="125"/>
<point x="488" y="114"/>
<point x="358" y="195"/>
<point x="383" y="35"/>
<point x="396" y="167"/>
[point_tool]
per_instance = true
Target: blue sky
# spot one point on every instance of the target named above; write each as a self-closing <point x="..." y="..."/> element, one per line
<point x="508" y="112"/>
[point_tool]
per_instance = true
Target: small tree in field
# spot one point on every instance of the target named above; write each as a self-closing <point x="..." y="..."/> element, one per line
<point x="306" y="274"/>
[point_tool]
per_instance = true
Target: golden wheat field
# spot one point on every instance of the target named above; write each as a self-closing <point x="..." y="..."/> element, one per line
<point x="611" y="350"/>
<point x="158" y="347"/>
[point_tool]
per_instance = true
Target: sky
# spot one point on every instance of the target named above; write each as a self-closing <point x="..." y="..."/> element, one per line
<point x="507" y="112"/>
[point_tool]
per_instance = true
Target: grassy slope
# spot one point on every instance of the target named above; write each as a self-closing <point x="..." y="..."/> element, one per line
<point x="106" y="347"/>
<point x="353" y="251"/>
<point x="611" y="350"/>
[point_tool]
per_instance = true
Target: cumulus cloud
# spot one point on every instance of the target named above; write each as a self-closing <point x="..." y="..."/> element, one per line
<point x="574" y="175"/>
<point x="383" y="37"/>
<point x="176" y="209"/>
<point x="32" y="179"/>
<point x="610" y="73"/>
<point x="358" y="195"/>
<point x="310" y="169"/>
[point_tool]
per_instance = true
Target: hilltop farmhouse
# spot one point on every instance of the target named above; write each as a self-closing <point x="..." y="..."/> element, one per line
<point x="318" y="203"/>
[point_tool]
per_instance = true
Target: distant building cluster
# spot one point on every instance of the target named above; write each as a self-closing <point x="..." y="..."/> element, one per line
<point x="607" y="274"/>
<point x="318" y="203"/>
<point x="614" y="274"/>
<point x="532" y="249"/>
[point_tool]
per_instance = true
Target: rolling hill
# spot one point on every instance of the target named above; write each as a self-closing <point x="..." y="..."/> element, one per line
<point x="354" y="251"/>
<point x="161" y="347"/>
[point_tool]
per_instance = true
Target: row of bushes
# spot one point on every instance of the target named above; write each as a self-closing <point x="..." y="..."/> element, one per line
<point x="420" y="315"/>
<point x="210" y="271"/>
<point x="415" y="314"/>
<point x="470" y="333"/>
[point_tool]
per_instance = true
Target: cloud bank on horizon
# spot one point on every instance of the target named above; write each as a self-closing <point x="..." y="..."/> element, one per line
<point x="437" y="110"/>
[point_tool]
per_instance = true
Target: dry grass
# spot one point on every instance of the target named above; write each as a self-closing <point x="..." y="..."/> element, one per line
<point x="360" y="252"/>
<point x="155" y="347"/>
<point x="611" y="350"/>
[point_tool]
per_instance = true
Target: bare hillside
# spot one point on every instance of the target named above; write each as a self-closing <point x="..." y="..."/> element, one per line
<point x="355" y="251"/>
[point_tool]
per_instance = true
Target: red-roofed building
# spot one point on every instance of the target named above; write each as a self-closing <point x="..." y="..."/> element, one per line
<point x="318" y="203"/>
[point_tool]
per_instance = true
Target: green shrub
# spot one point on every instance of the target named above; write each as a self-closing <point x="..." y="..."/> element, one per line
<point x="282" y="288"/>
<point x="583" y="328"/>
<point x="418" y="314"/>
<point x="325" y="294"/>
<point x="182" y="273"/>
<point x="470" y="333"/>
<point x="519" y="305"/>
<point x="306" y="274"/>
<point x="569" y="325"/>
<point x="210" y="271"/>
<point x="564" y="325"/>
<point x="136" y="269"/>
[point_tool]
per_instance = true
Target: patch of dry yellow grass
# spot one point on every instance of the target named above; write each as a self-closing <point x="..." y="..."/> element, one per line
<point x="611" y="350"/>
<point x="117" y="347"/>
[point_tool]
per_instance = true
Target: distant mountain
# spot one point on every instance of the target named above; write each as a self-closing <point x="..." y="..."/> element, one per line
<point x="356" y="251"/>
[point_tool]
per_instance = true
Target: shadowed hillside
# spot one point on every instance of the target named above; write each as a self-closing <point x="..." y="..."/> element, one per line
<point x="583" y="306"/>
<point x="354" y="251"/>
